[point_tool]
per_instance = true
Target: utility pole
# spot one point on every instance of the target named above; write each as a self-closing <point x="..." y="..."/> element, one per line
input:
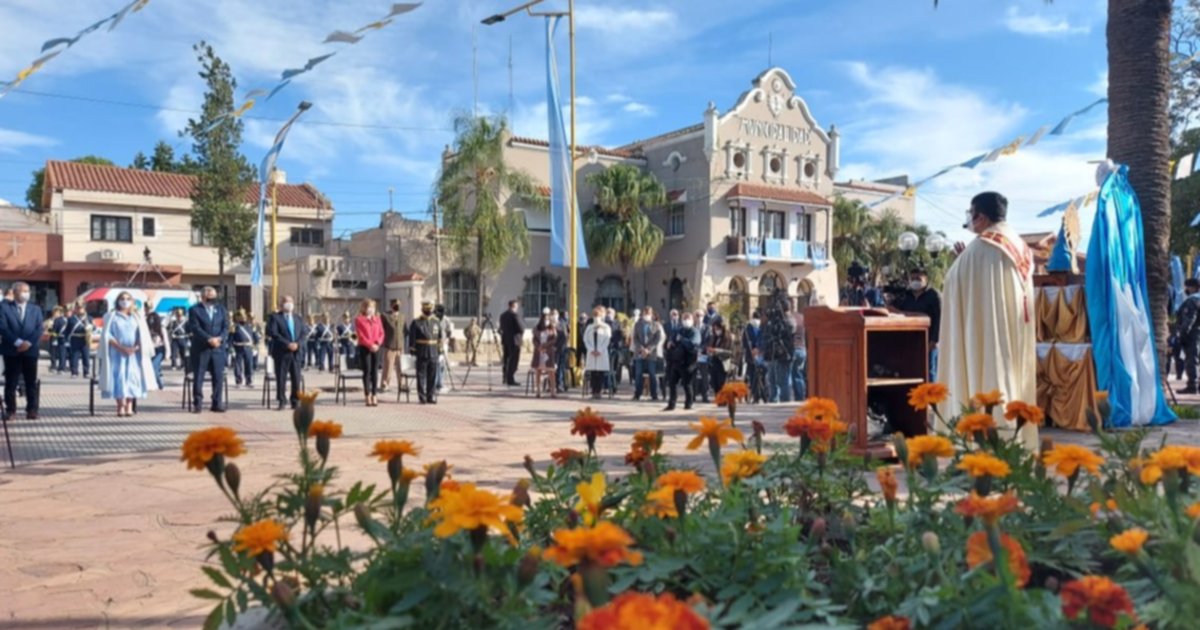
<point x="437" y="253"/>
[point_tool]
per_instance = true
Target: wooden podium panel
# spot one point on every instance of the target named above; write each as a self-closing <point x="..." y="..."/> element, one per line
<point x="846" y="345"/>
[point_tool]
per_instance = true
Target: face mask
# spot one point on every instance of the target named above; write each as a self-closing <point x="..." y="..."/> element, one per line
<point x="122" y="304"/>
<point x="712" y="311"/>
<point x="288" y="306"/>
<point x="755" y="322"/>
<point x="211" y="299"/>
<point x="687" y="323"/>
<point x="427" y="311"/>
<point x="647" y="318"/>
<point x="370" y="312"/>
<point x="916" y="285"/>
<point x="395" y="308"/>
<point x="23" y="297"/>
<point x="674" y="318"/>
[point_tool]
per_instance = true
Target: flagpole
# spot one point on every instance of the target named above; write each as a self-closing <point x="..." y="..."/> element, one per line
<point x="574" y="321"/>
<point x="274" y="242"/>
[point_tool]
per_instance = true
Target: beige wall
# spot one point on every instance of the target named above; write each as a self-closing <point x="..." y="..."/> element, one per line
<point x="325" y="291"/>
<point x="873" y="192"/>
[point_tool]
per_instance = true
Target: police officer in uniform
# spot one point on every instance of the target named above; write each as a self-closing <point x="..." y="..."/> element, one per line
<point x="79" y="341"/>
<point x="241" y="337"/>
<point x="424" y="341"/>
<point x="179" y="340"/>
<point x="58" y="341"/>
<point x="322" y="342"/>
<point x="346" y="339"/>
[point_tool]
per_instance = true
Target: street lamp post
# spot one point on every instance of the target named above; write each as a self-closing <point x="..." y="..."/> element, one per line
<point x="573" y="256"/>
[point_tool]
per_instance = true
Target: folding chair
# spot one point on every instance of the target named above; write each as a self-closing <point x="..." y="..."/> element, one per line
<point x="405" y="377"/>
<point x="341" y="376"/>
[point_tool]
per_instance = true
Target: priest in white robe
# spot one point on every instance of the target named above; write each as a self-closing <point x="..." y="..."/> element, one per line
<point x="988" y="335"/>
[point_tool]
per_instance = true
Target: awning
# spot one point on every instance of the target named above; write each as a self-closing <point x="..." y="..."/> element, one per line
<point x="775" y="193"/>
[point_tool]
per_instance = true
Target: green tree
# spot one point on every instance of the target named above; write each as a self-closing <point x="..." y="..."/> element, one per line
<point x="617" y="230"/>
<point x="219" y="208"/>
<point x="473" y="189"/>
<point x="140" y="162"/>
<point x="850" y="221"/>
<point x="881" y="236"/>
<point x="33" y="194"/>
<point x="1185" y="200"/>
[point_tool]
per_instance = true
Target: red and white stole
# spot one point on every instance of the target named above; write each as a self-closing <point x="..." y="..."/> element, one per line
<point x="1018" y="252"/>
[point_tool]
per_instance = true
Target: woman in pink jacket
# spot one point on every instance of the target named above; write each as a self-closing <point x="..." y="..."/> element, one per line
<point x="369" y="328"/>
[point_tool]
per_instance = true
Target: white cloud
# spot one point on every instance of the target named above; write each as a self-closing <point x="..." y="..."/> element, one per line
<point x="641" y="109"/>
<point x="591" y="124"/>
<point x="1040" y="25"/>
<point x="12" y="141"/>
<point x="623" y="21"/>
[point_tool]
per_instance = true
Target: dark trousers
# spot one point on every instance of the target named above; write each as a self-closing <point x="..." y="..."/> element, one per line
<point x="642" y="367"/>
<point x="700" y="381"/>
<point x="1191" y="352"/>
<point x="209" y="361"/>
<point x="243" y="364"/>
<point x="18" y="368"/>
<point x="78" y="352"/>
<point x="679" y="374"/>
<point x="179" y="353"/>
<point x="716" y="375"/>
<point x="325" y="355"/>
<point x="58" y="354"/>
<point x="512" y="358"/>
<point x="427" y="378"/>
<point x="368" y="362"/>
<point x="310" y="353"/>
<point x="287" y="367"/>
<point x="597" y="379"/>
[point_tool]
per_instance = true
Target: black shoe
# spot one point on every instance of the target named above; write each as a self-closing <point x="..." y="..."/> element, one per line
<point x="687" y="407"/>
<point x="280" y="407"/>
<point x="669" y="408"/>
<point x="295" y="405"/>
<point x="636" y="398"/>
<point x="217" y="410"/>
<point x="196" y="410"/>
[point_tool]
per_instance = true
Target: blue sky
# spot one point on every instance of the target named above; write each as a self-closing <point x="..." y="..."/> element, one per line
<point x="912" y="89"/>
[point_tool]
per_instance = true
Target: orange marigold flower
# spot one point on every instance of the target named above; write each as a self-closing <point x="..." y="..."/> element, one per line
<point x="325" y="428"/>
<point x="639" y="611"/>
<point x="468" y="508"/>
<point x="636" y="455"/>
<point x="308" y="397"/>
<point x="589" y="423"/>
<point x="605" y="545"/>
<point x="922" y="445"/>
<point x="711" y="429"/>
<point x="201" y="446"/>
<point x="926" y="395"/>
<point x="385" y="450"/>
<point x="260" y="537"/>
<point x="1031" y="414"/>
<point x="1067" y="459"/>
<point x="661" y="503"/>
<point x="820" y="409"/>
<point x="1175" y="457"/>
<point x="988" y="509"/>
<point x="741" y="465"/>
<point x="732" y="392"/>
<point x="972" y="423"/>
<point x="1103" y="599"/>
<point x="890" y="622"/>
<point x="987" y="400"/>
<point x="564" y="456"/>
<point x="887" y="483"/>
<point x="979" y="552"/>
<point x="649" y="441"/>
<point x="407" y="475"/>
<point x="1193" y="510"/>
<point x="1129" y="541"/>
<point x="981" y="464"/>
<point x="685" y="480"/>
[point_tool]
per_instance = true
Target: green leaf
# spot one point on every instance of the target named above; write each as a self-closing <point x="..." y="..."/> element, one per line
<point x="230" y="612"/>
<point x="1192" y="551"/>
<point x="215" y="618"/>
<point x="229" y="561"/>
<point x="778" y="616"/>
<point x="217" y="577"/>
<point x="204" y="593"/>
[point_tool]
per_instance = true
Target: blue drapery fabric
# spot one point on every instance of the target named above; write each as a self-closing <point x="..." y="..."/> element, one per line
<point x="562" y="171"/>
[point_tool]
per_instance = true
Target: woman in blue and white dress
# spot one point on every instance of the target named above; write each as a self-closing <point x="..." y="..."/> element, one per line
<point x="126" y="367"/>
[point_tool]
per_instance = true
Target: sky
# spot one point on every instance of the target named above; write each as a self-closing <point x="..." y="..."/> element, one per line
<point x="911" y="89"/>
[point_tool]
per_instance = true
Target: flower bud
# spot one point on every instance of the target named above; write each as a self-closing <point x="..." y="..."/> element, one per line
<point x="649" y="469"/>
<point x="901" y="448"/>
<point x="680" y="497"/>
<point x="758" y="427"/>
<point x="931" y="543"/>
<point x="213" y="537"/>
<point x="529" y="467"/>
<point x="323" y="447"/>
<point x="302" y="417"/>
<point x="527" y="568"/>
<point x="312" y="505"/>
<point x="233" y="477"/>
<point x="817" y="531"/>
<point x="395" y="466"/>
<point x="520" y="494"/>
<point x="362" y="514"/>
<point x="433" y="480"/>
<point x="283" y="594"/>
<point x="1052" y="584"/>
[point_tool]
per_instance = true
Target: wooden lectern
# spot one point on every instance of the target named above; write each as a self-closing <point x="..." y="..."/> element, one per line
<point x="862" y="357"/>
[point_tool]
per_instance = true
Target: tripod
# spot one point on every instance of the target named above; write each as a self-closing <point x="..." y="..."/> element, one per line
<point x="486" y="327"/>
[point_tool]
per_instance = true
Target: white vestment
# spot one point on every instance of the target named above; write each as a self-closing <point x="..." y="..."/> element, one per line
<point x="988" y="338"/>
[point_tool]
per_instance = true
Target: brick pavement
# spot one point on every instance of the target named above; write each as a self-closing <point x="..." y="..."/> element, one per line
<point x="102" y="527"/>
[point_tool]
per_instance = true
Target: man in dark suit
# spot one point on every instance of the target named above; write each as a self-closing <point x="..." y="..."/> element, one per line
<point x="512" y="332"/>
<point x="20" y="329"/>
<point x="208" y="325"/>
<point x="285" y="335"/>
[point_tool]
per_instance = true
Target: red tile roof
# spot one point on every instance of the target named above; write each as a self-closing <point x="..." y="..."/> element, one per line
<point x="773" y="193"/>
<point x="113" y="179"/>
<point x="579" y="148"/>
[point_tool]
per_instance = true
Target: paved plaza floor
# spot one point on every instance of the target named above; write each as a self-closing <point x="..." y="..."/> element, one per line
<point x="101" y="525"/>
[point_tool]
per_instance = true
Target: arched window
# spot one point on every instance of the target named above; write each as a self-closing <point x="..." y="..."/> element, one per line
<point x="739" y="295"/>
<point x="806" y="294"/>
<point x="675" y="294"/>
<point x="770" y="283"/>
<point x="460" y="290"/>
<point x="541" y="290"/>
<point x="611" y="294"/>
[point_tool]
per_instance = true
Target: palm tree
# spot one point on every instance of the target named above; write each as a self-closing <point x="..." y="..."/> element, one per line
<point x="617" y="230"/>
<point x="472" y="190"/>
<point x="880" y="240"/>
<point x="1139" y="130"/>
<point x="850" y="221"/>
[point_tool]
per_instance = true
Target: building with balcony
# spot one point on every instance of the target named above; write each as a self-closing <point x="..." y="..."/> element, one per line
<point x="331" y="285"/>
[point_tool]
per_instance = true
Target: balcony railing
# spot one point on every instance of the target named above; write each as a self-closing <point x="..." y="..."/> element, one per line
<point x="755" y="250"/>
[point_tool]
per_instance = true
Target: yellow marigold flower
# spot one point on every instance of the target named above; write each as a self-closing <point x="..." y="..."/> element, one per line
<point x="385" y="450"/>
<point x="325" y="428"/>
<point x="604" y="544"/>
<point x="649" y="441"/>
<point x="741" y="465"/>
<point x="201" y="446"/>
<point x="1031" y="414"/>
<point x="988" y="509"/>
<point x="685" y="480"/>
<point x="1067" y="459"/>
<point x="1129" y="541"/>
<point x="590" y="424"/>
<point x="465" y="507"/>
<point x="1175" y="457"/>
<point x="308" y="397"/>
<point x="1193" y="510"/>
<point x="711" y="429"/>
<point x="987" y="400"/>
<point x="979" y="552"/>
<point x="972" y="423"/>
<point x="590" y="497"/>
<point x="661" y="503"/>
<point x="926" y="395"/>
<point x="887" y="483"/>
<point x="922" y="445"/>
<point x="732" y="392"/>
<point x="890" y="622"/>
<point x="981" y="464"/>
<point x="639" y="611"/>
<point x="1150" y="474"/>
<point x="260" y="537"/>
